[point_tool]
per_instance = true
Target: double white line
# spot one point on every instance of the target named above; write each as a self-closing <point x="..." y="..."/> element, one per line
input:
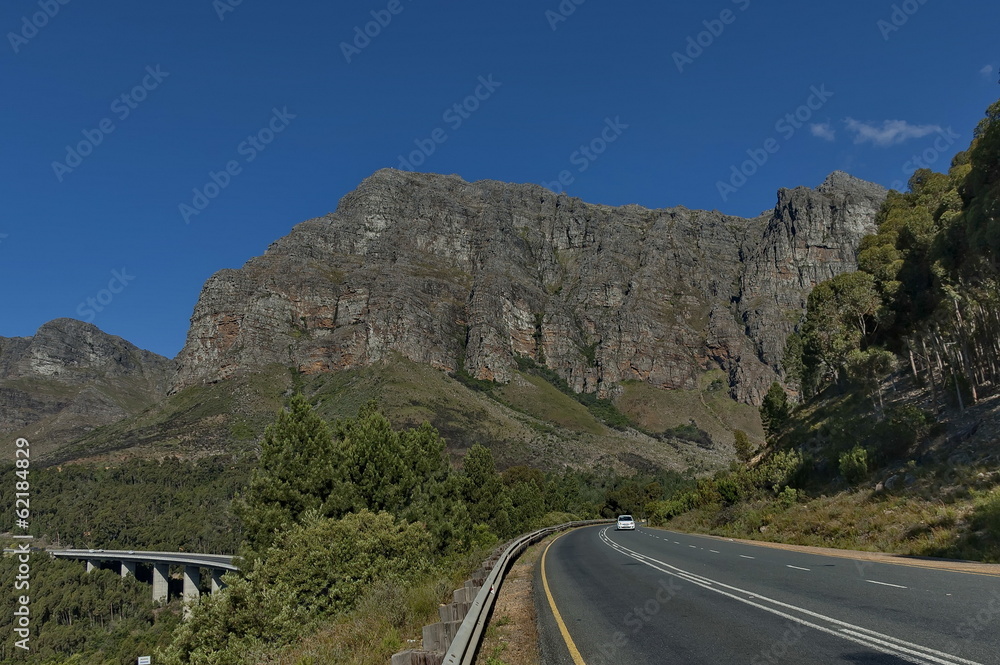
<point x="887" y="644"/>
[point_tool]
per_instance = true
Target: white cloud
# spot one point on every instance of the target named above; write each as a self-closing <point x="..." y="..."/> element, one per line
<point x="823" y="131"/>
<point x="889" y="133"/>
<point x="987" y="71"/>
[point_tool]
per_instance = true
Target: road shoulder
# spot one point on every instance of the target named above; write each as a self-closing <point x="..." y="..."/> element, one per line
<point x="973" y="567"/>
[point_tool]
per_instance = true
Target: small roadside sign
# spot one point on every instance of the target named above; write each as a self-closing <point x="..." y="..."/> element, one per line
<point x="145" y="660"/>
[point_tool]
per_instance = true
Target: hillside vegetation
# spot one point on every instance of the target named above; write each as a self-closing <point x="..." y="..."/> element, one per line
<point x="351" y="532"/>
<point x="338" y="514"/>
<point x="895" y="445"/>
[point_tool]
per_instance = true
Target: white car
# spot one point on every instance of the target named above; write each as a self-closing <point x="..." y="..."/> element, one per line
<point x="625" y="522"/>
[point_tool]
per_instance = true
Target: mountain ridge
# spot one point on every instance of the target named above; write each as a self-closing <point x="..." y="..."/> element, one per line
<point x="488" y="271"/>
<point x="469" y="279"/>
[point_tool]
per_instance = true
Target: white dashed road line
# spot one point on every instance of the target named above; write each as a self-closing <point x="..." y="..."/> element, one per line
<point x="886" y="644"/>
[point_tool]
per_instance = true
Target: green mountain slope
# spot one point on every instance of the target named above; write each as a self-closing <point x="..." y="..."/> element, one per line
<point x="529" y="421"/>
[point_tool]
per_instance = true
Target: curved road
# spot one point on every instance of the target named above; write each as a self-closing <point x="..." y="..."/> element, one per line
<point x="653" y="596"/>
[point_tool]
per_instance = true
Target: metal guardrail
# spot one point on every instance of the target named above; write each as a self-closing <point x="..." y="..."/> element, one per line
<point x="466" y="643"/>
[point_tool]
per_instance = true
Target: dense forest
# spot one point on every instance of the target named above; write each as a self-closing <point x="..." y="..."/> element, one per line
<point x="98" y="618"/>
<point x="156" y="505"/>
<point x="926" y="293"/>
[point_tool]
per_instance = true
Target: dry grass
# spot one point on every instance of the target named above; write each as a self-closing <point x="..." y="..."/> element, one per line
<point x="512" y="636"/>
<point x="965" y="525"/>
<point x="710" y="407"/>
<point x="388" y="619"/>
<point x="537" y="397"/>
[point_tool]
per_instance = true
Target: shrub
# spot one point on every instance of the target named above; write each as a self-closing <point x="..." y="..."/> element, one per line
<point x="778" y="470"/>
<point x="314" y="570"/>
<point x="690" y="432"/>
<point x="904" y="426"/>
<point x="729" y="489"/>
<point x="789" y="497"/>
<point x="854" y="465"/>
<point x="743" y="446"/>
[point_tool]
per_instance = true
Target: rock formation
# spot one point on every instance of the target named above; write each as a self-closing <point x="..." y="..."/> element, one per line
<point x="70" y="378"/>
<point x="455" y="274"/>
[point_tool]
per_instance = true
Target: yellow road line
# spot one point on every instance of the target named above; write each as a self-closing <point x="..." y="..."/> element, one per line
<point x="573" y="651"/>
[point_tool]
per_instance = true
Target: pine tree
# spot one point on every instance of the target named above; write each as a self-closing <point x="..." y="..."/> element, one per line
<point x="743" y="446"/>
<point x="485" y="493"/>
<point x="296" y="473"/>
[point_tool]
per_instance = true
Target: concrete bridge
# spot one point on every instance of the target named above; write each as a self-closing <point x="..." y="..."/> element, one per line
<point x="161" y="562"/>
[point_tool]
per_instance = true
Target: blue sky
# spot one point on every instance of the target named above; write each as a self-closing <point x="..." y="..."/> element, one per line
<point x="116" y="112"/>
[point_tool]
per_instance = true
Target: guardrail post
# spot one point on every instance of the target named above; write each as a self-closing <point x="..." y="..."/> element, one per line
<point x="412" y="657"/>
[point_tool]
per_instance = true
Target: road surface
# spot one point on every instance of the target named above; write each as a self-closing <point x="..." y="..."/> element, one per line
<point x="654" y="596"/>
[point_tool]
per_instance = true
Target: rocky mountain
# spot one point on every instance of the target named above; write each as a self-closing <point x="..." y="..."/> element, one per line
<point x="469" y="276"/>
<point x="416" y="273"/>
<point x="70" y="378"/>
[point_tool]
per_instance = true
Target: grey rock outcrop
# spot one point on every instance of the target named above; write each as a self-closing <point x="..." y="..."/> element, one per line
<point x="451" y="273"/>
<point x="71" y="377"/>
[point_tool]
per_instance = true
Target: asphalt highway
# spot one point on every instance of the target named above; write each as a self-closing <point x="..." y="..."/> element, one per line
<point x="654" y="596"/>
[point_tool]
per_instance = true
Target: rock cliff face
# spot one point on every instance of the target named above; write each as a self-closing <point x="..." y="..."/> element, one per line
<point x="70" y="378"/>
<point x="453" y="274"/>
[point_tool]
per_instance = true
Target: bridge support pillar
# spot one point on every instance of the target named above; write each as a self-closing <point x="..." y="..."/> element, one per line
<point x="192" y="578"/>
<point x="92" y="565"/>
<point x="217" y="583"/>
<point x="128" y="568"/>
<point x="161" y="588"/>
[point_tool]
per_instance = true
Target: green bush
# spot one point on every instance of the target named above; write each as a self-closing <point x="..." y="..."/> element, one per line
<point x="854" y="465"/>
<point x="789" y="497"/>
<point x="904" y="426"/>
<point x="729" y="489"/>
<point x="692" y="433"/>
<point x="314" y="570"/>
